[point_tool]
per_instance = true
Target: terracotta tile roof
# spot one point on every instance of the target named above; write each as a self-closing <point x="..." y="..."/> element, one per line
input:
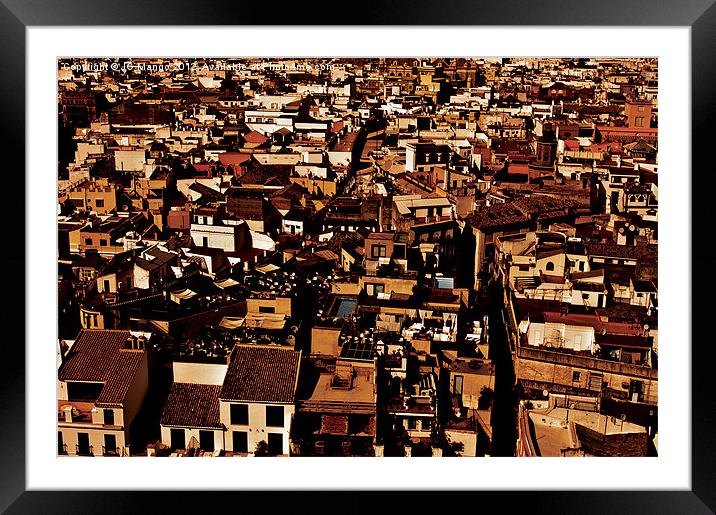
<point x="98" y="355"/>
<point x="233" y="158"/>
<point x="642" y="253"/>
<point x="261" y="374"/>
<point x="255" y="137"/>
<point x="192" y="405"/>
<point x="496" y="217"/>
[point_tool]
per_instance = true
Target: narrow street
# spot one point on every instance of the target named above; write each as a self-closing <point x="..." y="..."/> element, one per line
<point x="505" y="403"/>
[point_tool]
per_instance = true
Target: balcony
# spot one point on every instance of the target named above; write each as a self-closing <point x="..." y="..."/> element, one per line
<point x="74" y="411"/>
<point x="84" y="451"/>
<point x="111" y="451"/>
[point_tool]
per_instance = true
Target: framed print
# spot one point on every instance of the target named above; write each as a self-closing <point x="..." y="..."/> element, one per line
<point x="351" y="250"/>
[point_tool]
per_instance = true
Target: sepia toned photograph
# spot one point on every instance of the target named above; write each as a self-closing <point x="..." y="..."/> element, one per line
<point x="357" y="257"/>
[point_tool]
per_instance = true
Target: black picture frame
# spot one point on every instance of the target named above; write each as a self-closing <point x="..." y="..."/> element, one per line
<point x="17" y="15"/>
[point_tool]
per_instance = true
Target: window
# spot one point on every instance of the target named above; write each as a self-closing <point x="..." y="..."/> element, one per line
<point x="267" y="309"/>
<point x="640" y="109"/>
<point x="585" y="296"/>
<point x="576" y="377"/>
<point x="239" y="414"/>
<point x="102" y="243"/>
<point x="275" y="444"/>
<point x="241" y="441"/>
<point x="550" y="266"/>
<point x="108" y="417"/>
<point x="412" y="423"/>
<point x="206" y="440"/>
<point x="60" y="444"/>
<point x="274" y="416"/>
<point x="106" y="285"/>
<point x="88" y="241"/>
<point x="83" y="392"/>
<point x="426" y="424"/>
<point x="99" y="202"/>
<point x="178" y="440"/>
<point x="374" y="289"/>
<point x="110" y="445"/>
<point x="639" y="121"/>
<point x="457" y="385"/>
<point x="377" y="251"/>
<point x="83" y="445"/>
<point x="205" y="241"/>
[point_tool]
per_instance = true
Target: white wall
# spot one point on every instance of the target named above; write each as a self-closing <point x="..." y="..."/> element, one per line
<point x="256" y="428"/>
<point x="218" y="237"/>
<point x="192" y="432"/>
<point x="574" y="337"/>
<point x="129" y="160"/>
<point x="96" y="438"/>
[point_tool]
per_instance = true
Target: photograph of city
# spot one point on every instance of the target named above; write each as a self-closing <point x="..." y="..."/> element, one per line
<point x="374" y="257"/>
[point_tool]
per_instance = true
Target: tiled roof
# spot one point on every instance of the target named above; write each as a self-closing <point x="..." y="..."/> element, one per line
<point x="255" y="137"/>
<point x="536" y="204"/>
<point x="642" y="253"/>
<point x="497" y="216"/>
<point x="257" y="173"/>
<point x="98" y="355"/>
<point x="192" y="405"/>
<point x="261" y="374"/>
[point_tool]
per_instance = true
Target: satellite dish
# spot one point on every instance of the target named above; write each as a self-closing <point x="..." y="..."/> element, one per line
<point x="623" y="417"/>
<point x="646" y="327"/>
<point x="632" y="227"/>
<point x="545" y="393"/>
<point x="621" y="230"/>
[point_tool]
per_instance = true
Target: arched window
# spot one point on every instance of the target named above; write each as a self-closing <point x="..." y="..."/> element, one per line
<point x="550" y="266"/>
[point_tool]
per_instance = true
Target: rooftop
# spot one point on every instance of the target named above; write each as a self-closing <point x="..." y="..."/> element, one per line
<point x="192" y="405"/>
<point x="262" y="374"/>
<point x="99" y="355"/>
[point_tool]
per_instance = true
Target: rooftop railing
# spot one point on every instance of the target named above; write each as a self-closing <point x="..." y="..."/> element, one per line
<point x="613" y="367"/>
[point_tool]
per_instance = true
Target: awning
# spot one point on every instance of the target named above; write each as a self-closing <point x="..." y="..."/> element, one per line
<point x="184" y="294"/>
<point x="231" y="322"/>
<point x="264" y="269"/>
<point x="226" y="283"/>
